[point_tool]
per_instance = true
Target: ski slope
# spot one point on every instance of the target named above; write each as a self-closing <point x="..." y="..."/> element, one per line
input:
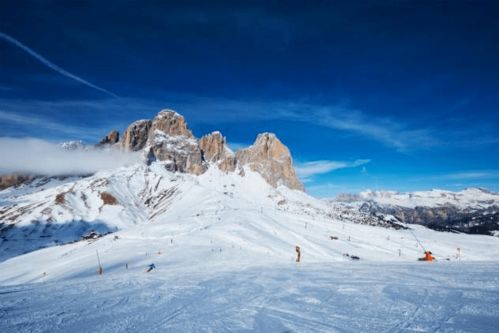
<point x="212" y="220"/>
<point x="224" y="248"/>
<point x="325" y="297"/>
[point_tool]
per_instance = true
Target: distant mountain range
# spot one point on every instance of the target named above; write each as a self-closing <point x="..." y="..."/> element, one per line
<point x="473" y="210"/>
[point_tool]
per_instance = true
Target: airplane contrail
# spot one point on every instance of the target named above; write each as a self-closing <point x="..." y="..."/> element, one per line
<point x="51" y="65"/>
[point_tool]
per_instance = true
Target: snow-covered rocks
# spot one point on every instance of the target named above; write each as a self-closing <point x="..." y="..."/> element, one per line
<point x="215" y="150"/>
<point x="171" y="123"/>
<point x="181" y="153"/>
<point x="167" y="138"/>
<point x="73" y="145"/>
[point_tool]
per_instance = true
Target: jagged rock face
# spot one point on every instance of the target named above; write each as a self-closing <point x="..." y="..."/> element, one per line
<point x="269" y="157"/>
<point x="110" y="139"/>
<point x="182" y="153"/>
<point x="168" y="139"/>
<point x="215" y="150"/>
<point x="136" y="135"/>
<point x="170" y="123"/>
<point x="13" y="180"/>
<point x="171" y="140"/>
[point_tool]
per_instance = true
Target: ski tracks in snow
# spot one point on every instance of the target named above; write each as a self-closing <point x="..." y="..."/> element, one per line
<point x="340" y="297"/>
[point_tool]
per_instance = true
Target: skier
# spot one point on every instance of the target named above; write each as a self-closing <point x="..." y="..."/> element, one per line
<point x="150" y="268"/>
<point x="298" y="253"/>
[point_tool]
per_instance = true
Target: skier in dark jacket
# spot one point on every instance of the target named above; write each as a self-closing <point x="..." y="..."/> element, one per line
<point x="150" y="268"/>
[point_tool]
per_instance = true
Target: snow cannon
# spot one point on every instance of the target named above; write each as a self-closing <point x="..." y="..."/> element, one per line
<point x="427" y="256"/>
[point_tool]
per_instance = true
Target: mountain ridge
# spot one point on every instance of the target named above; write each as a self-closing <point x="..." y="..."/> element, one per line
<point x="472" y="210"/>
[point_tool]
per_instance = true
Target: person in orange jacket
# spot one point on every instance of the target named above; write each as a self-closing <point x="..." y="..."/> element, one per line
<point x="428" y="256"/>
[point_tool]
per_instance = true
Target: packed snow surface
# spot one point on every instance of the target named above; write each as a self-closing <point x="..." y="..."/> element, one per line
<point x="327" y="297"/>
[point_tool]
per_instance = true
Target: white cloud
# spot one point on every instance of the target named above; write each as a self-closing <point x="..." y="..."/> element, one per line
<point x="308" y="169"/>
<point x="36" y="156"/>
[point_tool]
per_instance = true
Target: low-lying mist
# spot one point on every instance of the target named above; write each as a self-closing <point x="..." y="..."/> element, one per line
<point x="40" y="157"/>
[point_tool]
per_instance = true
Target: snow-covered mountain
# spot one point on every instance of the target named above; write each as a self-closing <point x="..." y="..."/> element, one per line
<point x="223" y="229"/>
<point x="472" y="210"/>
<point x="146" y="213"/>
<point x="195" y="202"/>
<point x="73" y="145"/>
<point x="468" y="198"/>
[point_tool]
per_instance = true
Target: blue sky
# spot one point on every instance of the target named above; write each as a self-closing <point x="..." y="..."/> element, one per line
<point x="399" y="95"/>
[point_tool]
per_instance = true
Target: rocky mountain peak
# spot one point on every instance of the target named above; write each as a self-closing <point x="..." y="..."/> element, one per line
<point x="171" y="123"/>
<point x="215" y="150"/>
<point x="110" y="139"/>
<point x="272" y="159"/>
<point x="167" y="138"/>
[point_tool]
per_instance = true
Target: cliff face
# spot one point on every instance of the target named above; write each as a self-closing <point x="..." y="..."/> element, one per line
<point x="136" y="135"/>
<point x="269" y="157"/>
<point x="215" y="150"/>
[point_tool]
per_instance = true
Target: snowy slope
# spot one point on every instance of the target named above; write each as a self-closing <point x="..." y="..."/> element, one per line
<point x="224" y="248"/>
<point x="213" y="221"/>
<point x="338" y="297"/>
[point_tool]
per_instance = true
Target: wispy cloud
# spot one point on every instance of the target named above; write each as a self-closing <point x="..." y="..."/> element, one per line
<point x="45" y="124"/>
<point x="306" y="170"/>
<point x="41" y="157"/>
<point x="201" y="110"/>
<point x="51" y="65"/>
<point x="471" y="175"/>
<point x="387" y="131"/>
